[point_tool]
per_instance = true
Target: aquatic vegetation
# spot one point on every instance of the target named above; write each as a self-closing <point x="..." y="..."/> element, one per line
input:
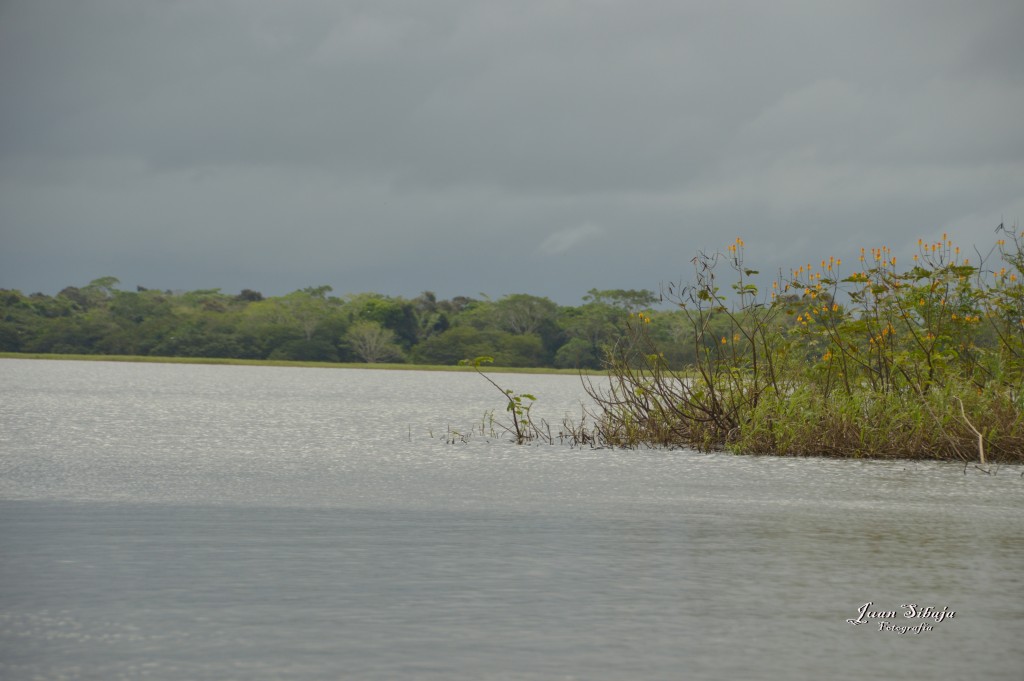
<point x="522" y="428"/>
<point x="923" y="361"/>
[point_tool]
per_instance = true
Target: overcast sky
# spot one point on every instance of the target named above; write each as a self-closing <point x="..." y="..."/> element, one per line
<point x="471" y="147"/>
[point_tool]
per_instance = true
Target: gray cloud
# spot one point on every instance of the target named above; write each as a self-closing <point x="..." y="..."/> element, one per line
<point x="565" y="240"/>
<point x="454" y="146"/>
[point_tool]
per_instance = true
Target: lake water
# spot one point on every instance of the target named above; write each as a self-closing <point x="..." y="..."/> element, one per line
<point x="214" y="522"/>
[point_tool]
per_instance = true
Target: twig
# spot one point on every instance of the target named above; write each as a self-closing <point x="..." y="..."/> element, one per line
<point x="981" y="438"/>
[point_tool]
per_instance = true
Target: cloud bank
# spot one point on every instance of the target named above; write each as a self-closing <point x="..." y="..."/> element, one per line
<point x="457" y="146"/>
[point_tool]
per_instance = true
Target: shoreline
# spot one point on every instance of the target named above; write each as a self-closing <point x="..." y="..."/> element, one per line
<point x="145" y="359"/>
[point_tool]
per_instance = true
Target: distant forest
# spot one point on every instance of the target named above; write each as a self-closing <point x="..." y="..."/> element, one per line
<point x="517" y="330"/>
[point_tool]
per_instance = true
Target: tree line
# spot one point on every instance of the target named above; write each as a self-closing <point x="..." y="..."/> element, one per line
<point x="311" y="324"/>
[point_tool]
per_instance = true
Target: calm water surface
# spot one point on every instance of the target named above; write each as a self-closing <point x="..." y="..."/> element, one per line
<point x="212" y="522"/>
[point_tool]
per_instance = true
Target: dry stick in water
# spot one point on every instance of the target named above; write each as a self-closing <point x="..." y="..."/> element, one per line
<point x="981" y="438"/>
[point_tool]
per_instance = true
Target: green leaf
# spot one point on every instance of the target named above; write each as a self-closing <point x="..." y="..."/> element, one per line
<point x="476" y="361"/>
<point x="964" y="270"/>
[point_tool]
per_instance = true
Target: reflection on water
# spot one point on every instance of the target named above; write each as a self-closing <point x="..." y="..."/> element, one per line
<point x="204" y="522"/>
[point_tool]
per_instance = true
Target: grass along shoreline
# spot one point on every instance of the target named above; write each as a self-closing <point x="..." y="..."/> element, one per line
<point x="925" y="362"/>
<point x="146" y="359"/>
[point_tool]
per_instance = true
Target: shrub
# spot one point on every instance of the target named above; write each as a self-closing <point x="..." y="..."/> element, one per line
<point x="925" y="361"/>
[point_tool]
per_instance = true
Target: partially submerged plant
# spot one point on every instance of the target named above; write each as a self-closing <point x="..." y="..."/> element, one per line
<point x="523" y="429"/>
<point x="924" y="362"/>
